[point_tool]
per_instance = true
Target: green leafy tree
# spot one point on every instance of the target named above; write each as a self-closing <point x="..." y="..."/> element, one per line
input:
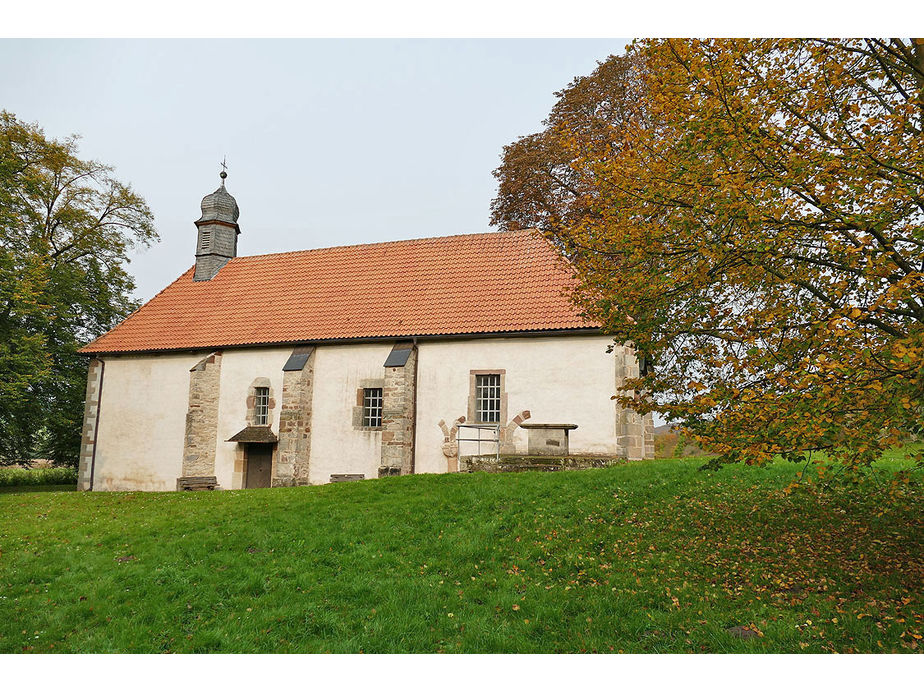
<point x="66" y="228"/>
<point x="750" y="215"/>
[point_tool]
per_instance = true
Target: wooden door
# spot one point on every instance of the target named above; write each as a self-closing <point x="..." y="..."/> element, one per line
<point x="259" y="465"/>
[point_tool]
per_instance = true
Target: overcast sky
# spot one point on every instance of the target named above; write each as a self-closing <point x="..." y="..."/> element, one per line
<point x="329" y="142"/>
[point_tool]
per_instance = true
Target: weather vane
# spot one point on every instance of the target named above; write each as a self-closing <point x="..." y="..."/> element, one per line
<point x="224" y="169"/>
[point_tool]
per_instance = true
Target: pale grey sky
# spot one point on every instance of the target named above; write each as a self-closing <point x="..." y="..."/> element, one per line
<point x="329" y="141"/>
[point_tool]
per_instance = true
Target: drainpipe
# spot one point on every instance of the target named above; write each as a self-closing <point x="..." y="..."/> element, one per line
<point x="414" y="412"/>
<point x="99" y="407"/>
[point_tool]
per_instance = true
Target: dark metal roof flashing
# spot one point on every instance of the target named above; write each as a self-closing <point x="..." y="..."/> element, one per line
<point x="298" y="358"/>
<point x="399" y="355"/>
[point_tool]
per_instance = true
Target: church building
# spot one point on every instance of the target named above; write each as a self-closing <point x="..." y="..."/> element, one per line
<point x="352" y="362"/>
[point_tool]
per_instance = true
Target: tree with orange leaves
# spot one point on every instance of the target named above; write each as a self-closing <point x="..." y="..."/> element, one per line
<point x="750" y="215"/>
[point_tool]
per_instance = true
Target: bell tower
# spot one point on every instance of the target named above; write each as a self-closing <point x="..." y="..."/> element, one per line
<point x="218" y="230"/>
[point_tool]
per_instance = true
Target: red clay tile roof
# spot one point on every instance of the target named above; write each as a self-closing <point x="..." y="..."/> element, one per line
<point x="481" y="283"/>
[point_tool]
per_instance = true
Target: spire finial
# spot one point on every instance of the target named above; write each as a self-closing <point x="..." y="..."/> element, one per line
<point x="224" y="170"/>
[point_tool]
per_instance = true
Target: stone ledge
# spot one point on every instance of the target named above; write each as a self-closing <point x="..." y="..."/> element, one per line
<point x="563" y="427"/>
<point x="528" y="463"/>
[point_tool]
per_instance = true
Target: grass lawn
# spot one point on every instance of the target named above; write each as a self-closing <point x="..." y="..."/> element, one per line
<point x="646" y="557"/>
<point x="38" y="488"/>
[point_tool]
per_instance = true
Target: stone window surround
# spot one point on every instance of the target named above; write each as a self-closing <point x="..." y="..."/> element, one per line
<point x="472" y="411"/>
<point x="358" y="407"/>
<point x="252" y="402"/>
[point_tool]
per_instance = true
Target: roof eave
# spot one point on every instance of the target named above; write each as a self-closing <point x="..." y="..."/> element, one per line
<point x="569" y="331"/>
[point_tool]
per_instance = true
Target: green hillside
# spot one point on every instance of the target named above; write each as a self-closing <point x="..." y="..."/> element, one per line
<point x="645" y="557"/>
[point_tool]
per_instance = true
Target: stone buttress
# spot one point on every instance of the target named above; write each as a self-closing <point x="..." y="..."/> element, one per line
<point x="294" y="449"/>
<point x="399" y="408"/>
<point x="634" y="432"/>
<point x="202" y="419"/>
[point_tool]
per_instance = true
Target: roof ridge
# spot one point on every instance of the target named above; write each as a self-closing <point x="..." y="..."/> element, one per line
<point x="405" y="241"/>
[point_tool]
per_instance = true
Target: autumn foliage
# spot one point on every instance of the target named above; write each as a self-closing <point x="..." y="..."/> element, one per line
<point x="750" y="215"/>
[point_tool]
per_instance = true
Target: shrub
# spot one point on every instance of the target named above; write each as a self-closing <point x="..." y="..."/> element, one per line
<point x="38" y="477"/>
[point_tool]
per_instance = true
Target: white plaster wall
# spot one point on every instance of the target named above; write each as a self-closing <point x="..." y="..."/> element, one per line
<point x="557" y="379"/>
<point x="142" y="422"/>
<point x="336" y="447"/>
<point x="145" y="400"/>
<point x="239" y="368"/>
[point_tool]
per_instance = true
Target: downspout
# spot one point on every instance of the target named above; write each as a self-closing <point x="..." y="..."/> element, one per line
<point x="414" y="412"/>
<point x="99" y="407"/>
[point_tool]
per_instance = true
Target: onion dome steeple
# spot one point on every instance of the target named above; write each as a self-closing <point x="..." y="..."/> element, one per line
<point x="218" y="231"/>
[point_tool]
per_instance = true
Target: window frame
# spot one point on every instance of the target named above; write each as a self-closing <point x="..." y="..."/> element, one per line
<point x="373" y="400"/>
<point x="488" y="400"/>
<point x="261" y="398"/>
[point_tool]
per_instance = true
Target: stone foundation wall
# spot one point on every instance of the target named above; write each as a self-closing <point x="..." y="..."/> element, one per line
<point x="527" y="463"/>
<point x="90" y="412"/>
<point x="294" y="449"/>
<point x="398" y="410"/>
<point x="202" y="417"/>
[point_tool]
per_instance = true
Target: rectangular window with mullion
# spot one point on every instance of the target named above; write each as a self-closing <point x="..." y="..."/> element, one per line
<point x="260" y="406"/>
<point x="372" y="407"/>
<point x="488" y="398"/>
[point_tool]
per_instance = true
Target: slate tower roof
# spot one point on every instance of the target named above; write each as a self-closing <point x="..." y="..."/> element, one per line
<point x="219" y="206"/>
